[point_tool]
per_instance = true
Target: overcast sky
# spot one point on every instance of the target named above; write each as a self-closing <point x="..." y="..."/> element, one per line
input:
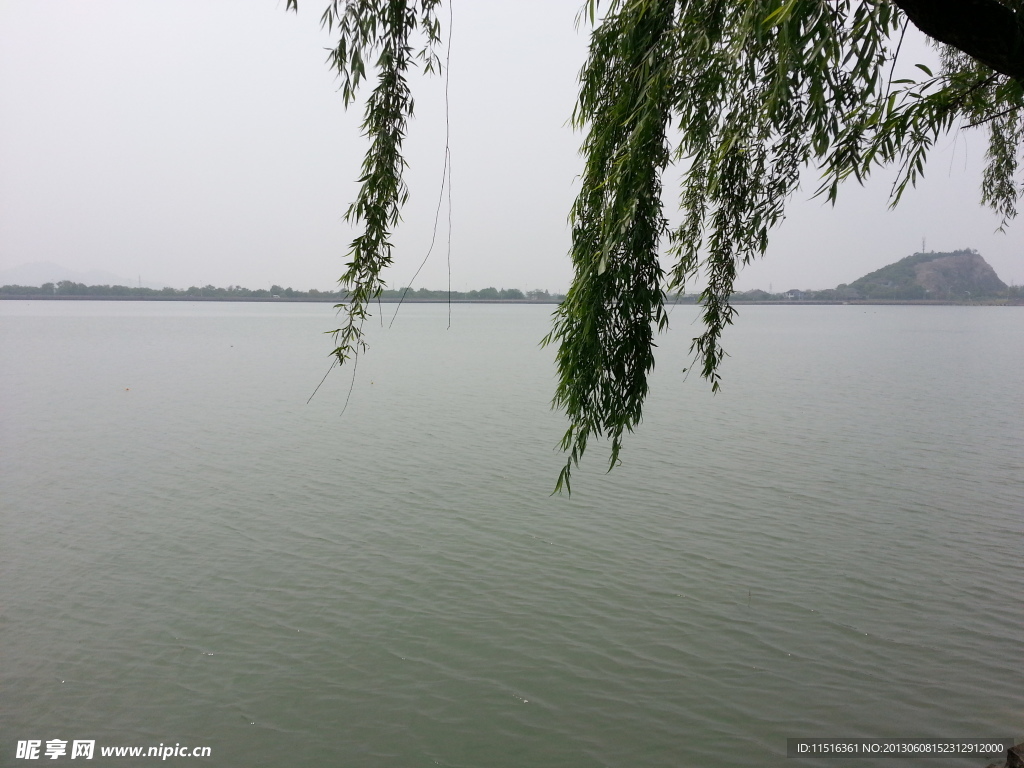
<point x="190" y="142"/>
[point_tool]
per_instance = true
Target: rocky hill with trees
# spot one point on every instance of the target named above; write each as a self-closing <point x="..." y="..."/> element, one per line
<point x="960" y="274"/>
<point x="957" y="276"/>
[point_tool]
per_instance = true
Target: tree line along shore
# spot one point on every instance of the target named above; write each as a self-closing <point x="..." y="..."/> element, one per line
<point x="65" y="290"/>
<point x="957" y="277"/>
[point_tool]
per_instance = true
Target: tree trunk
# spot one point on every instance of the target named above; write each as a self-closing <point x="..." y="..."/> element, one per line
<point x="986" y="30"/>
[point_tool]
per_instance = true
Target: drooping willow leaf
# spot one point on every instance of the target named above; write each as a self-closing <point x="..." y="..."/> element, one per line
<point x="739" y="96"/>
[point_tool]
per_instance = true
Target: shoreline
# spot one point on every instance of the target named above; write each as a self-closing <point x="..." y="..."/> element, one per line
<point x="994" y="302"/>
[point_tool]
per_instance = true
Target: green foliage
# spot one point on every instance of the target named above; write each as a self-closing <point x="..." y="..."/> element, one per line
<point x="755" y="92"/>
<point x="739" y="95"/>
<point x="383" y="29"/>
<point x="605" y="325"/>
<point x="901" y="129"/>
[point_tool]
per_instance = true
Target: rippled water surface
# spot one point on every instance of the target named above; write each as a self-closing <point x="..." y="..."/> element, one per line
<point x="191" y="554"/>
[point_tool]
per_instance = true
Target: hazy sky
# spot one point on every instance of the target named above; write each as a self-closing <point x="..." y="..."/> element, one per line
<point x="194" y="142"/>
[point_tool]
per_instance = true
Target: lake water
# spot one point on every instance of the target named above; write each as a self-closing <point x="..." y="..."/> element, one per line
<point x="191" y="554"/>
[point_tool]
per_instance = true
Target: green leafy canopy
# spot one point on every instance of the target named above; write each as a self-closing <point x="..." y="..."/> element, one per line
<point x="741" y="96"/>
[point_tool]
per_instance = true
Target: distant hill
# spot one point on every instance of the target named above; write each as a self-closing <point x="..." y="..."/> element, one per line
<point x="948" y="276"/>
<point x="956" y="277"/>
